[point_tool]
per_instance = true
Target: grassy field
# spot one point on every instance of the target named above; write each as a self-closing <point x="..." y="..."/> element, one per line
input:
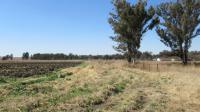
<point x="103" y="86"/>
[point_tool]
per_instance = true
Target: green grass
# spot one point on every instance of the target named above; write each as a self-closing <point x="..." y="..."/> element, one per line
<point x="2" y="80"/>
<point x="73" y="92"/>
<point x="21" y="89"/>
<point x="119" y="87"/>
<point x="23" y="86"/>
<point x="8" y="80"/>
<point x="83" y="65"/>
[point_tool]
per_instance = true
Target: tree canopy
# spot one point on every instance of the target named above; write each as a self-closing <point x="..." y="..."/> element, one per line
<point x="130" y="22"/>
<point x="179" y="25"/>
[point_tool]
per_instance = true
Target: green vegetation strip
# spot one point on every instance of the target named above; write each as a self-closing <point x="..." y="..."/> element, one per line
<point x="21" y="87"/>
<point x="73" y="92"/>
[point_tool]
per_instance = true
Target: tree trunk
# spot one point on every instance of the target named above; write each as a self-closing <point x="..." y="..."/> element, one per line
<point x="134" y="58"/>
<point x="134" y="61"/>
<point x="185" y="57"/>
<point x="129" y="59"/>
<point x="186" y="52"/>
<point x="129" y="54"/>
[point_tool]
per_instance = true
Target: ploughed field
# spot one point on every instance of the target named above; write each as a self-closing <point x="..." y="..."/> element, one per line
<point x="103" y="86"/>
<point x="29" y="68"/>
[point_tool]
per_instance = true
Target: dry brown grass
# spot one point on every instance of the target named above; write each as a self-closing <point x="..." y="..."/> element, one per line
<point x="174" y="89"/>
<point x="167" y="66"/>
<point x="110" y="86"/>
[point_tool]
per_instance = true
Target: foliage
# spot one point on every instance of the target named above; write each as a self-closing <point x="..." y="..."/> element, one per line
<point x="20" y="89"/>
<point x="2" y="80"/>
<point x="25" y="56"/>
<point x="194" y="55"/>
<point x="119" y="87"/>
<point x="166" y="53"/>
<point x="146" y="56"/>
<point x="71" y="56"/>
<point x="130" y="22"/>
<point x="180" y="24"/>
<point x="8" y="57"/>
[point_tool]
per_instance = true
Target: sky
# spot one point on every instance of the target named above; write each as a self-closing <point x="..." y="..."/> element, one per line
<point x="64" y="26"/>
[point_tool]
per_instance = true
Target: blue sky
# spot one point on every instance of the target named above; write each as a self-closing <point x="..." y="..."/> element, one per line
<point x="63" y="26"/>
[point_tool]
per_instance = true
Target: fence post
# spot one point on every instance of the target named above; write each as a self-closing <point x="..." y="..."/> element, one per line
<point x="143" y="66"/>
<point x="157" y="68"/>
<point x="149" y="68"/>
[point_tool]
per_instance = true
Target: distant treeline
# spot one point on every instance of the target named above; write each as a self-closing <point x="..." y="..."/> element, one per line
<point x="165" y="55"/>
<point x="7" y="57"/>
<point x="61" y="56"/>
<point x="168" y="55"/>
<point x="193" y="55"/>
